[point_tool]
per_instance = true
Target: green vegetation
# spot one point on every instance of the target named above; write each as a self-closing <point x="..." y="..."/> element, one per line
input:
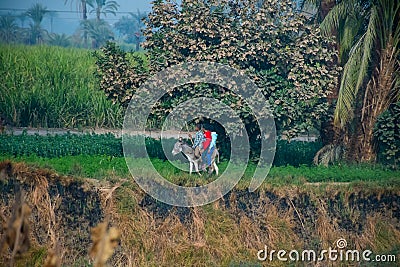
<point x="106" y="167"/>
<point x="101" y="157"/>
<point x="336" y="72"/>
<point x="387" y="131"/>
<point x="71" y="145"/>
<point x="27" y="27"/>
<point x="295" y="72"/>
<point x="288" y="153"/>
<point x="46" y="86"/>
<point x="295" y="153"/>
<point x="368" y="39"/>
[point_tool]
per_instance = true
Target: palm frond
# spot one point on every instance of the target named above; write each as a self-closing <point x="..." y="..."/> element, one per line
<point x="337" y="13"/>
<point x="389" y="36"/>
<point x="369" y="41"/>
<point x="347" y="91"/>
<point x="315" y="3"/>
<point x="346" y="36"/>
<point x="329" y="154"/>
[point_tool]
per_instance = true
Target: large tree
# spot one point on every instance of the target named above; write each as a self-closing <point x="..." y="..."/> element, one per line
<point x="103" y="7"/>
<point x="368" y="36"/>
<point x="131" y="27"/>
<point x="81" y="7"/>
<point x="9" y="30"/>
<point x="275" y="45"/>
<point x="36" y="13"/>
<point x="99" y="31"/>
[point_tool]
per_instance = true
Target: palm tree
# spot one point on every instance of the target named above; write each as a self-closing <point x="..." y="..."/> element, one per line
<point x="368" y="34"/>
<point x="36" y="13"/>
<point x="131" y="27"/>
<point x="139" y="24"/>
<point x="62" y="40"/>
<point x="9" y="30"/>
<point x="322" y="7"/>
<point x="22" y="18"/>
<point x="103" y="7"/>
<point x="52" y="15"/>
<point x="81" y="7"/>
<point x="98" y="30"/>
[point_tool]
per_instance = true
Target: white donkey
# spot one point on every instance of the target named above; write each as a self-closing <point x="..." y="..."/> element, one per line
<point x="188" y="151"/>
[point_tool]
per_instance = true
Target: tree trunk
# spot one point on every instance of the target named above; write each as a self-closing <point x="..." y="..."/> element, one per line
<point x="84" y="10"/>
<point x="372" y="102"/>
<point x="325" y="7"/>
<point x="329" y="133"/>
<point x="84" y="16"/>
<point x="98" y="13"/>
<point x="361" y="146"/>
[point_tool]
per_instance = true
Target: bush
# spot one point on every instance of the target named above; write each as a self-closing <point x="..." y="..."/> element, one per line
<point x="294" y="153"/>
<point x="60" y="145"/>
<point x="387" y="132"/>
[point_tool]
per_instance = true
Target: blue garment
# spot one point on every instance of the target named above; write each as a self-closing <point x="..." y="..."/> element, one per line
<point x="198" y="139"/>
<point x="214" y="137"/>
<point x="209" y="154"/>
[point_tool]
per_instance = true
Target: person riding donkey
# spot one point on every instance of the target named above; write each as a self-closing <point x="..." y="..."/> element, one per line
<point x="212" y="147"/>
<point x="198" y="140"/>
<point x="204" y="145"/>
<point x="209" y="145"/>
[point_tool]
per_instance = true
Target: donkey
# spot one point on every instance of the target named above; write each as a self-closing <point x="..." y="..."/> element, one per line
<point x="188" y="151"/>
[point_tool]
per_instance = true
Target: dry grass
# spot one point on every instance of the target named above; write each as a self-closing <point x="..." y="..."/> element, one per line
<point x="227" y="232"/>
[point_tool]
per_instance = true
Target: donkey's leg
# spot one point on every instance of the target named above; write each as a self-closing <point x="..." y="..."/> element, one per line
<point x="215" y="167"/>
<point x="196" y="166"/>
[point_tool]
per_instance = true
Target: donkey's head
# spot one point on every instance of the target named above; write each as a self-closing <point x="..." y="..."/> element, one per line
<point x="177" y="147"/>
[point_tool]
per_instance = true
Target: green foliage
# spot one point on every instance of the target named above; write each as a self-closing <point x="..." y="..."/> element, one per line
<point x="387" y="131"/>
<point x="294" y="153"/>
<point x="271" y="42"/>
<point x="280" y="51"/>
<point x="36" y="13"/>
<point x="60" y="145"/>
<point x="9" y="30"/>
<point x="120" y="72"/>
<point x="51" y="146"/>
<point x="56" y="39"/>
<point x="99" y="31"/>
<point x="103" y="7"/>
<point x="130" y="27"/>
<point x="364" y="30"/>
<point x="52" y="87"/>
<point x="102" y="167"/>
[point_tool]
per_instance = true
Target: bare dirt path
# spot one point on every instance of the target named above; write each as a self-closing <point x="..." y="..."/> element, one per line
<point x="116" y="132"/>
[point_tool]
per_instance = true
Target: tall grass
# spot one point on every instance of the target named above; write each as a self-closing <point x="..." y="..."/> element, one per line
<point x="44" y="86"/>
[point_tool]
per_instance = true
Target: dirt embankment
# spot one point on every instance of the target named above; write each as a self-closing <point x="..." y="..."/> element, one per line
<point x="228" y="232"/>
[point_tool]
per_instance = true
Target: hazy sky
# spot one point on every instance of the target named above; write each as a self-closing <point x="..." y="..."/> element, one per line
<point x="67" y="20"/>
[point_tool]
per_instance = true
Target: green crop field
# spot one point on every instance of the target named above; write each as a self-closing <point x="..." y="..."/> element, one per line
<point x="45" y="86"/>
